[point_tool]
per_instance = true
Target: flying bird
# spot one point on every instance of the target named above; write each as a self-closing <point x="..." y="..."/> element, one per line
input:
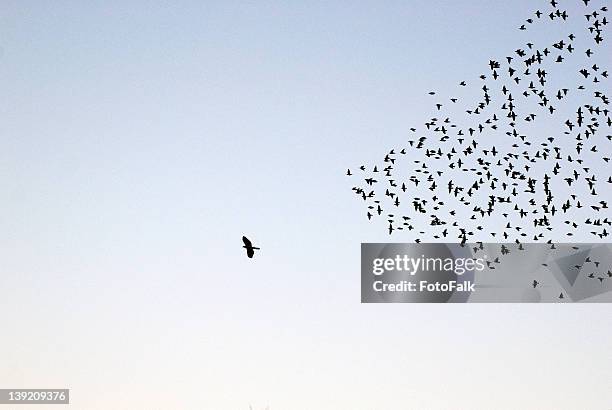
<point x="250" y="249"/>
<point x="489" y="158"/>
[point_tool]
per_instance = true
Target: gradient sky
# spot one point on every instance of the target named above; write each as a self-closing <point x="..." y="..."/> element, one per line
<point x="140" y="140"/>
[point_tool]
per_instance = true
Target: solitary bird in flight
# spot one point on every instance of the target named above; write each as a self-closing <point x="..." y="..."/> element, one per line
<point x="250" y="249"/>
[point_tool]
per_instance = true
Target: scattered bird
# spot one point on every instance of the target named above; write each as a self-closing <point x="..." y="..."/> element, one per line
<point x="487" y="172"/>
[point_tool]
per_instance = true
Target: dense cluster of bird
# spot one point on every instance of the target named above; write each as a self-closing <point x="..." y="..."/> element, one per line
<point x="527" y="161"/>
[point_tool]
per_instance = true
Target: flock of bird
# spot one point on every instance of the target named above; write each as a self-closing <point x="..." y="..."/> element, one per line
<point x="526" y="161"/>
<point x="491" y="174"/>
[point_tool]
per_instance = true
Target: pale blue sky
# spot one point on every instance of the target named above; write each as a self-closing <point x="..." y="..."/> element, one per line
<point x="140" y="140"/>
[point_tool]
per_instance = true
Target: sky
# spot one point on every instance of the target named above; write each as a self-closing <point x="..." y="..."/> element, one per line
<point x="140" y="141"/>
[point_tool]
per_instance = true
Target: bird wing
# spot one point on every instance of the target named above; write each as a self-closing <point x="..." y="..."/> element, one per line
<point x="246" y="241"/>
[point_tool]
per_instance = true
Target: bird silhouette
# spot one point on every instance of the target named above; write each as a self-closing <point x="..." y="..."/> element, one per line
<point x="250" y="249"/>
<point x="481" y="169"/>
<point x="498" y="174"/>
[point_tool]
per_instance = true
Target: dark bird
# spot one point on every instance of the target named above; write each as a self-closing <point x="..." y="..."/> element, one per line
<point x="486" y="158"/>
<point x="250" y="249"/>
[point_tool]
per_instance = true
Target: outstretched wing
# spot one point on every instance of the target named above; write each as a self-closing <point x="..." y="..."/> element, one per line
<point x="246" y="241"/>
